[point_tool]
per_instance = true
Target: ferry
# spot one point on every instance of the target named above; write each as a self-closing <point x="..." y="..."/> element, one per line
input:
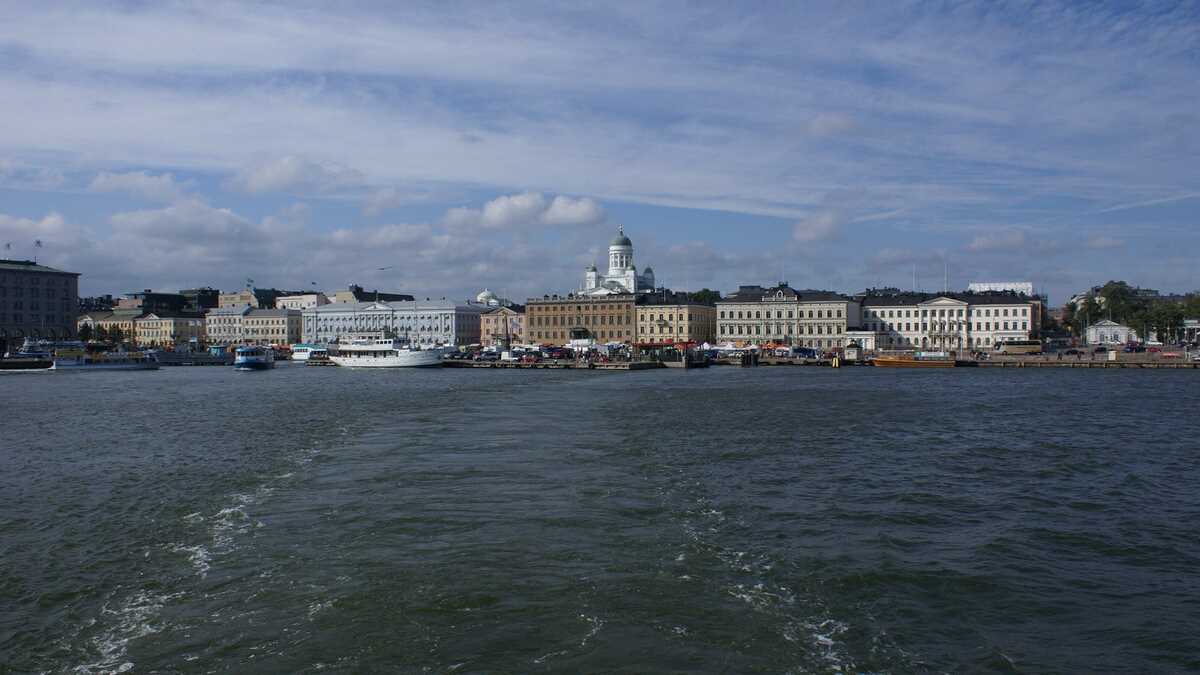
<point x="254" y="358"/>
<point x="304" y="352"/>
<point x="385" y="352"/>
<point x="78" y="357"/>
<point x="26" y="360"/>
<point x="920" y="360"/>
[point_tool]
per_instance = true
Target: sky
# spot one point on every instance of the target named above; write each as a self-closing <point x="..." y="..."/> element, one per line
<point x="437" y="149"/>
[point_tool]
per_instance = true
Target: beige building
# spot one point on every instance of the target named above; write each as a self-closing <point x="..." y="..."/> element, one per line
<point x="783" y="315"/>
<point x="36" y="301"/>
<point x="952" y="321"/>
<point x="271" y="326"/>
<point x="557" y="320"/>
<point x="117" y="325"/>
<point x="223" y="325"/>
<point x="508" y="321"/>
<point x="155" y="330"/>
<point x="675" y="319"/>
<point x="304" y="301"/>
<point x="242" y="298"/>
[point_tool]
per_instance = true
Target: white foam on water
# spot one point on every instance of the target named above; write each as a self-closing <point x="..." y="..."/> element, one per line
<point x="318" y="607"/>
<point x="198" y="556"/>
<point x="137" y="617"/>
<point x="596" y="624"/>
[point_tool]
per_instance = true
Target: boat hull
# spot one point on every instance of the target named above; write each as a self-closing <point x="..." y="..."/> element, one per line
<point x="25" y="365"/>
<point x="884" y="362"/>
<point x="73" y="366"/>
<point x="421" y="359"/>
<point x="253" y="364"/>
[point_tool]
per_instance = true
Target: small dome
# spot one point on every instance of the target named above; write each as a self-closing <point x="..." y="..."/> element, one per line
<point x="621" y="239"/>
<point x="485" y="297"/>
<point x="649" y="270"/>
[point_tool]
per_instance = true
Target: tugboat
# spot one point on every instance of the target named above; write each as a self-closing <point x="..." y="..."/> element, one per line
<point x="26" y="360"/>
<point x="254" y="358"/>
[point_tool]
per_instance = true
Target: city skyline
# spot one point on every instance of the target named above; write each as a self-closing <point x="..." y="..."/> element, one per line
<point x="827" y="148"/>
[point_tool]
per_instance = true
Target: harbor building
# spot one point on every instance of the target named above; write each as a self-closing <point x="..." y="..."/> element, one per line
<point x="666" y="317"/>
<point x="502" y="322"/>
<point x="622" y="275"/>
<point x="952" y="321"/>
<point x="557" y="320"/>
<point x="224" y="325"/>
<point x="355" y="293"/>
<point x="783" y="315"/>
<point x="117" y="325"/>
<point x="201" y="299"/>
<point x="151" y="301"/>
<point x="423" y="322"/>
<point x="36" y="301"/>
<point x="271" y="327"/>
<point x="165" y="330"/>
<point x="302" y="301"/>
<point x="1108" y="332"/>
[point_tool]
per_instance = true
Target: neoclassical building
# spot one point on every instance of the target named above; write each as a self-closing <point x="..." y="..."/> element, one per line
<point x="951" y="321"/>
<point x="424" y="322"/>
<point x="784" y="315"/>
<point x="622" y="275"/>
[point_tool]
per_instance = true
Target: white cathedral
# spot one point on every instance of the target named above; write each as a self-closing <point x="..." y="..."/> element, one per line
<point x="622" y="276"/>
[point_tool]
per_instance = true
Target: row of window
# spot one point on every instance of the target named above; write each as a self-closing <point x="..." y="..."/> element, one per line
<point x="584" y="320"/>
<point x="17" y="318"/>
<point x="953" y="325"/>
<point x="49" y="294"/>
<point x="563" y="335"/>
<point x="942" y="313"/>
<point x="35" y="279"/>
<point x="780" y="329"/>
<point x="820" y="314"/>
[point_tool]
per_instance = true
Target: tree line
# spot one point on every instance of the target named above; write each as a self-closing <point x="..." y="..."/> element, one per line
<point x="1145" y="314"/>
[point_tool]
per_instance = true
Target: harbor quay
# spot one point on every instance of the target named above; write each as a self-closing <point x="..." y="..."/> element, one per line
<point x="617" y="314"/>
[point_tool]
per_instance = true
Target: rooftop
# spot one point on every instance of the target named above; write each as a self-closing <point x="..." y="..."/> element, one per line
<point x="29" y="266"/>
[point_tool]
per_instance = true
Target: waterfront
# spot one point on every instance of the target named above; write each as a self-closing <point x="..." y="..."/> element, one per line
<point x="720" y="520"/>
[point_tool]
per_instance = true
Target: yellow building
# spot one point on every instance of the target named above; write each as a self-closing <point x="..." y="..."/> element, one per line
<point x="508" y="321"/>
<point x="675" y="319"/>
<point x="556" y="320"/>
<point x="154" y="330"/>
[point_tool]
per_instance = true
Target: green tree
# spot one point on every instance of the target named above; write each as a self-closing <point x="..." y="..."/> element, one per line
<point x="706" y="296"/>
<point x="85" y="332"/>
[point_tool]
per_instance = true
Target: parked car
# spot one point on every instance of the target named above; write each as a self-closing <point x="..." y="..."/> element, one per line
<point x="1073" y="352"/>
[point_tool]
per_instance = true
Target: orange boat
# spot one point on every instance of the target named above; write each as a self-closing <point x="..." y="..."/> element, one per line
<point x="914" y="362"/>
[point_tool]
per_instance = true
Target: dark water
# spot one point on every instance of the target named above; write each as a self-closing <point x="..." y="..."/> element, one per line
<point x="729" y="520"/>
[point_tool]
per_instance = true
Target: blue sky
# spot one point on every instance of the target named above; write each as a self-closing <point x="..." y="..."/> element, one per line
<point x="839" y="145"/>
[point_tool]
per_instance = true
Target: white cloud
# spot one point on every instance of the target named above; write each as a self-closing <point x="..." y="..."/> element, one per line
<point x="568" y="211"/>
<point x="296" y="174"/>
<point x="1012" y="240"/>
<point x="513" y="210"/>
<point x="160" y="188"/>
<point x="820" y="226"/>
<point x="1102" y="242"/>
<point x="830" y="124"/>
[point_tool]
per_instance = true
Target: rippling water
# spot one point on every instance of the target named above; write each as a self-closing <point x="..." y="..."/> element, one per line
<point x="728" y="520"/>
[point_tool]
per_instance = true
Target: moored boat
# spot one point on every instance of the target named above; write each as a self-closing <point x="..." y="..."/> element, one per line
<point x="26" y="361"/>
<point x="304" y="352"/>
<point x="252" y="357"/>
<point x="81" y="358"/>
<point x="385" y="352"/>
<point x="920" y="360"/>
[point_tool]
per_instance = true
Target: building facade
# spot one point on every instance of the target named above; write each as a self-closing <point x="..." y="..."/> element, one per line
<point x="1107" y="332"/>
<point x="783" y="315"/>
<point x="271" y="327"/>
<point x="355" y="293"/>
<point x="36" y="301"/>
<point x="224" y="325"/>
<point x="501" y="323"/>
<point x="953" y="322"/>
<point x="675" y="319"/>
<point x="163" y="330"/>
<point x="301" y="302"/>
<point x="622" y="276"/>
<point x="436" y="322"/>
<point x="242" y="298"/>
<point x="556" y="320"/>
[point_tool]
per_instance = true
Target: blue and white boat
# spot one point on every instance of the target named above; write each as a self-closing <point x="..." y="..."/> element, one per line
<point x="253" y="358"/>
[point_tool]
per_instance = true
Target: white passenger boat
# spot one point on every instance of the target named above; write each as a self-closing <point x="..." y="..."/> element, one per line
<point x="84" y="358"/>
<point x="385" y="352"/>
<point x="303" y="352"/>
<point x="254" y="358"/>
